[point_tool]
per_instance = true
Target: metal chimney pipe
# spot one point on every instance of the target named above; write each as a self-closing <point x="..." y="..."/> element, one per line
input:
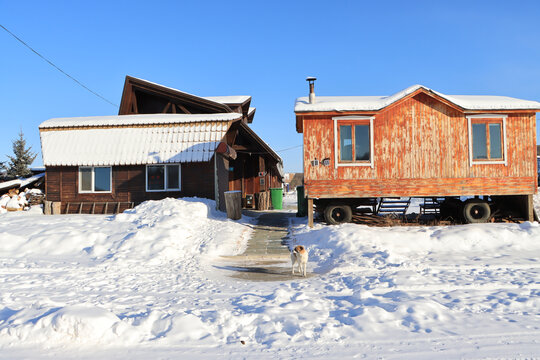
<point x="311" y="81"/>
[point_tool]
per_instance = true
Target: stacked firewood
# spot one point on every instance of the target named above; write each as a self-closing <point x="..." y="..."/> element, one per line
<point x="35" y="197"/>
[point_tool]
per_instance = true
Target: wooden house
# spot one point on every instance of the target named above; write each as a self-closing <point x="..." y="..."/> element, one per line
<point x="163" y="143"/>
<point x="418" y="143"/>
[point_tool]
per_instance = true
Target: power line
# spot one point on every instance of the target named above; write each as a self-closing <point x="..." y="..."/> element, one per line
<point x="294" y="147"/>
<point x="266" y="152"/>
<point x="56" y="67"/>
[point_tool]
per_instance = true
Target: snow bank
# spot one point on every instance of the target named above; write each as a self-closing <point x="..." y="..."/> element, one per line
<point x="155" y="231"/>
<point x="80" y="266"/>
<point x="402" y="244"/>
<point x="149" y="279"/>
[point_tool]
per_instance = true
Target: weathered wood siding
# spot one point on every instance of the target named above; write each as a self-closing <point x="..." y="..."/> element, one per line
<point x="128" y="185"/>
<point x="421" y="148"/>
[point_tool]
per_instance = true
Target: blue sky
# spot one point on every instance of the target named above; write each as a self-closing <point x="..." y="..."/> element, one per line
<point x="262" y="49"/>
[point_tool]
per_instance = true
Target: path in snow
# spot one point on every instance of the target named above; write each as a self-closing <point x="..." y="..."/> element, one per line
<point x="267" y="256"/>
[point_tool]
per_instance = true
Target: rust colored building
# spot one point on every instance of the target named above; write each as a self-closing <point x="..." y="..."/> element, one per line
<point x="418" y="143"/>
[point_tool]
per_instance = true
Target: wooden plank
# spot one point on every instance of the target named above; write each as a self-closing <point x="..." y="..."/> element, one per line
<point x="186" y="111"/>
<point x="310" y="212"/>
<point x="166" y="108"/>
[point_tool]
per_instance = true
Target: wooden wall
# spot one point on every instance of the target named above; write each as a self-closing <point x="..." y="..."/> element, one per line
<point x="128" y="185"/>
<point x="245" y="174"/>
<point x="421" y="148"/>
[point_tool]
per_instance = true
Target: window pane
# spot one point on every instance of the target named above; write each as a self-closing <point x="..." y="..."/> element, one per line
<point x="361" y="142"/>
<point x="102" y="179"/>
<point x="86" y="179"/>
<point x="495" y="146"/>
<point x="479" y="141"/>
<point x="155" y="177"/>
<point x="172" y="177"/>
<point x="345" y="138"/>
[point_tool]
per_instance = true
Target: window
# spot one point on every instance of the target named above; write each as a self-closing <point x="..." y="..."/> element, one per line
<point x="95" y="179"/>
<point x="163" y="177"/>
<point x="353" y="140"/>
<point x="487" y="139"/>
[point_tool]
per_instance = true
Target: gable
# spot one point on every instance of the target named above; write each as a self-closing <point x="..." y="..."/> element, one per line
<point x="144" y="97"/>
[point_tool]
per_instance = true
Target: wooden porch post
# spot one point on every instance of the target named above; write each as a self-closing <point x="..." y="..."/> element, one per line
<point x="310" y="212"/>
<point x="530" y="208"/>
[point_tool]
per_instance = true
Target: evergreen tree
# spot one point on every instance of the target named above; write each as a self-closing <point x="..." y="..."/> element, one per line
<point x="18" y="164"/>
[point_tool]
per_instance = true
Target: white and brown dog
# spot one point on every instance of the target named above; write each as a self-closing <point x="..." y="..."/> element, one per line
<point x="299" y="255"/>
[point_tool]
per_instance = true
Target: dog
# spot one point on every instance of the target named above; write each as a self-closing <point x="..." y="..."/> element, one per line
<point x="299" y="255"/>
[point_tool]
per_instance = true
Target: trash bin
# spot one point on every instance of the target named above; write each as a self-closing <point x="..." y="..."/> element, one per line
<point x="276" y="195"/>
<point x="302" y="202"/>
<point x="233" y="203"/>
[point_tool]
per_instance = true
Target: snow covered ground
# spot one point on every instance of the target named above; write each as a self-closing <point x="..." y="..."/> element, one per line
<point x="147" y="283"/>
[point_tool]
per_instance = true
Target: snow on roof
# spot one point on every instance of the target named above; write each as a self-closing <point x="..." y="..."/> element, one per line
<point x="20" y="182"/>
<point x="179" y="142"/>
<point x="233" y="99"/>
<point x="373" y="103"/>
<point x="146" y="119"/>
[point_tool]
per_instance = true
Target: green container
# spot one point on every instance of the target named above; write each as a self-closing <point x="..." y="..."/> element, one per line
<point x="302" y="202"/>
<point x="276" y="195"/>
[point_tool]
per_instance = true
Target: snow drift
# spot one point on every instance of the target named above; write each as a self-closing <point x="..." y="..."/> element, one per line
<point x="150" y="278"/>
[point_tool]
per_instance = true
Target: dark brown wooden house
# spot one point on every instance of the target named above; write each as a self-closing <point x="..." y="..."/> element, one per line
<point x="418" y="143"/>
<point x="163" y="143"/>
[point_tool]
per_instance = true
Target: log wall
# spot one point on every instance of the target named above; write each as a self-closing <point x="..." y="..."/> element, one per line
<point x="128" y="185"/>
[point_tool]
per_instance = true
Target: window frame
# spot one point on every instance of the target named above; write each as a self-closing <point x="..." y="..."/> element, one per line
<point x="165" y="178"/>
<point x="353" y="120"/>
<point x="93" y="182"/>
<point x="488" y="119"/>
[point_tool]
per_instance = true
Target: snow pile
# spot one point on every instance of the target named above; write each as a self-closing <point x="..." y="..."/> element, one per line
<point x="82" y="274"/>
<point x="13" y="202"/>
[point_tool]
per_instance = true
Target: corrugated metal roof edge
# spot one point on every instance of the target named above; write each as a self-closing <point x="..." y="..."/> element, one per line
<point x="158" y="119"/>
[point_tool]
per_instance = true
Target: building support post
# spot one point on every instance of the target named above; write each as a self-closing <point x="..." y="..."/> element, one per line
<point x="310" y="212"/>
<point x="530" y="208"/>
<point x="216" y="182"/>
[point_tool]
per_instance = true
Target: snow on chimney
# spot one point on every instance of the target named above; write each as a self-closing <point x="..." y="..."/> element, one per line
<point x="311" y="81"/>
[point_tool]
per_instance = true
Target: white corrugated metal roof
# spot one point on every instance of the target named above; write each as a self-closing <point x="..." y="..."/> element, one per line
<point x="146" y="119"/>
<point x="179" y="142"/>
<point x="373" y="103"/>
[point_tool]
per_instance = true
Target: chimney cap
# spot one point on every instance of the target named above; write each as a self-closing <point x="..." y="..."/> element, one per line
<point x="311" y="78"/>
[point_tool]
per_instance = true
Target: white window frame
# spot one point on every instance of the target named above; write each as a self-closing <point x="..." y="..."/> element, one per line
<point x="504" y="145"/>
<point x="93" y="191"/>
<point x="371" y="161"/>
<point x="166" y="172"/>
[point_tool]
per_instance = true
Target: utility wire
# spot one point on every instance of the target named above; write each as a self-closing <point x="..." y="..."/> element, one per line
<point x="266" y="152"/>
<point x="294" y="147"/>
<point x="56" y="67"/>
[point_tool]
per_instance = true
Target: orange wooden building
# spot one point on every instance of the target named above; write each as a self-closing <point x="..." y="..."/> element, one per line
<point x="418" y="143"/>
